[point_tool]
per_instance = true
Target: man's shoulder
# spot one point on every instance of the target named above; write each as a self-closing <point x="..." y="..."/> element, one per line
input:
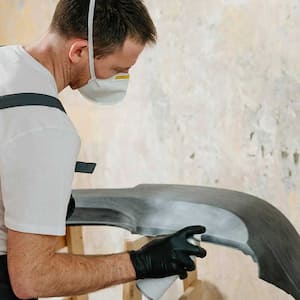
<point x="21" y="73"/>
<point x="34" y="114"/>
<point x="10" y="54"/>
<point x="8" y="49"/>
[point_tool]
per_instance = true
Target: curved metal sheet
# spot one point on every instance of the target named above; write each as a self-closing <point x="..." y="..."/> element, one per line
<point x="232" y="219"/>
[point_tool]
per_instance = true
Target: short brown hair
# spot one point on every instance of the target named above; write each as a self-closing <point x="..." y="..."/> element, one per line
<point x="114" y="21"/>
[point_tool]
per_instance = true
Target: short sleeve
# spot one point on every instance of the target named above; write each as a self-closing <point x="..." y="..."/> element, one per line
<point x="36" y="172"/>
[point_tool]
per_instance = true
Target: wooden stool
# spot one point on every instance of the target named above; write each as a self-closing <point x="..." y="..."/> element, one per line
<point x="191" y="285"/>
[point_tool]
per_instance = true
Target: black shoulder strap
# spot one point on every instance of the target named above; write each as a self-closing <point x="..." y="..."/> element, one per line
<point x="32" y="99"/>
<point x="29" y="99"/>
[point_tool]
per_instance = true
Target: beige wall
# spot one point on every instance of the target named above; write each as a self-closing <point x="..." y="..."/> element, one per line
<point x="216" y="103"/>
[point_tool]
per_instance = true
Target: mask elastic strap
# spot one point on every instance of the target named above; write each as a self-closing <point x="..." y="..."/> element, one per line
<point x="91" y="38"/>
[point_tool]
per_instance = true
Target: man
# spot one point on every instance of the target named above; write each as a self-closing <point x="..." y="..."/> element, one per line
<point x="87" y="46"/>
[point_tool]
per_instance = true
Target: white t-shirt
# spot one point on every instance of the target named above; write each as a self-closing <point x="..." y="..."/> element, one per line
<point x="38" y="151"/>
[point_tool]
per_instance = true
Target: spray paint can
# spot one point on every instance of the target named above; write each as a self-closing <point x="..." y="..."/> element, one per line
<point x="154" y="288"/>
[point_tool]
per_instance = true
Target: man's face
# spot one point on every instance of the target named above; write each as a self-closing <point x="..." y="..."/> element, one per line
<point x="119" y="61"/>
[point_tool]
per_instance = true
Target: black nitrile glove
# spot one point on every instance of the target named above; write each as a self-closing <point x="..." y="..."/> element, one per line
<point x="168" y="256"/>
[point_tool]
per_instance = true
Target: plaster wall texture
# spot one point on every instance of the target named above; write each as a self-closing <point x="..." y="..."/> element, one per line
<point x="216" y="103"/>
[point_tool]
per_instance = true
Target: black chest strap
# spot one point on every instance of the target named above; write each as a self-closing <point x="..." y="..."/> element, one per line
<point x="31" y="99"/>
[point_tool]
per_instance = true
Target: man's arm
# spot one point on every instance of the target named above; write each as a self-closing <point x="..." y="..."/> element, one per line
<point x="36" y="270"/>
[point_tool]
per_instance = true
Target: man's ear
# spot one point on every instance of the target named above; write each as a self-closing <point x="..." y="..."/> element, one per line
<point x="78" y="51"/>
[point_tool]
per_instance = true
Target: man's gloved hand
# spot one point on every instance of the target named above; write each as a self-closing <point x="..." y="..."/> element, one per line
<point x="168" y="256"/>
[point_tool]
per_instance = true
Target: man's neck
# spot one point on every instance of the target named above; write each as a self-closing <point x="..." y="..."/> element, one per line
<point x="51" y="52"/>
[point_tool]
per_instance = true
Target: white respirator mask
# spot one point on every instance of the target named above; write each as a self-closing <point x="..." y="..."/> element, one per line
<point x="103" y="91"/>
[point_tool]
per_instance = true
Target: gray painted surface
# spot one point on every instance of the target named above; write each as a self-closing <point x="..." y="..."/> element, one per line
<point x="232" y="219"/>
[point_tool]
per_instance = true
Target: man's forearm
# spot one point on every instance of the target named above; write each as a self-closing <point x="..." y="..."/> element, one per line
<point x="66" y="274"/>
<point x="36" y="270"/>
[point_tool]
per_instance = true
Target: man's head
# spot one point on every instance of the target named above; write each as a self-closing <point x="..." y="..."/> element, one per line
<point x="121" y="30"/>
<point x="114" y="21"/>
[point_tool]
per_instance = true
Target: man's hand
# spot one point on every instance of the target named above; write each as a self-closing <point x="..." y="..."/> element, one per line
<point x="168" y="256"/>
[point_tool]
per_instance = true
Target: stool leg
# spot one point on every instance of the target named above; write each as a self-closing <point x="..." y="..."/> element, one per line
<point x="192" y="286"/>
<point x="130" y="292"/>
<point x="193" y="292"/>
